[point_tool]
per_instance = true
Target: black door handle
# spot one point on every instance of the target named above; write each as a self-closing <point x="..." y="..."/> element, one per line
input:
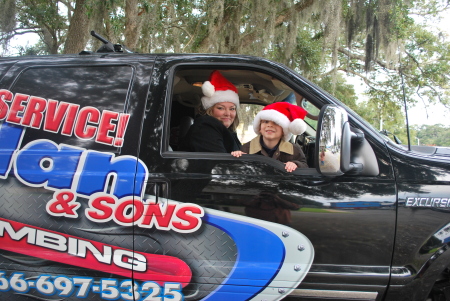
<point x="157" y="188"/>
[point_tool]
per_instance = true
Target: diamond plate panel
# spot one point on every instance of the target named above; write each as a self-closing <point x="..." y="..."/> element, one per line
<point x="209" y="252"/>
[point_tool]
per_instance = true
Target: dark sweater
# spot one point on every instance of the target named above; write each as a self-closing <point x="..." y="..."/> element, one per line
<point x="208" y="134"/>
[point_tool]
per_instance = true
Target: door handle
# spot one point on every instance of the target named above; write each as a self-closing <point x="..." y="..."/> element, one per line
<point x="155" y="189"/>
<point x="315" y="183"/>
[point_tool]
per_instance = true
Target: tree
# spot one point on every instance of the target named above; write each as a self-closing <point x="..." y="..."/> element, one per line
<point x="76" y="33"/>
<point x="433" y="135"/>
<point x="34" y="16"/>
<point x="382" y="42"/>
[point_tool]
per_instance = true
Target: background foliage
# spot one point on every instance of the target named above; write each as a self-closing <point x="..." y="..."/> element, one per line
<point x="393" y="46"/>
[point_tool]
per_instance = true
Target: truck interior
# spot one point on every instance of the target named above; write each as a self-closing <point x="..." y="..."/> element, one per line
<point x="255" y="89"/>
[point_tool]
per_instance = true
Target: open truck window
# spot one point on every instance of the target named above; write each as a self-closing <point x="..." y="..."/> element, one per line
<point x="256" y="89"/>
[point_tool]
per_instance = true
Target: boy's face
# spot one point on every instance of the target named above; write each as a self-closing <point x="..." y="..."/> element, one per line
<point x="270" y="130"/>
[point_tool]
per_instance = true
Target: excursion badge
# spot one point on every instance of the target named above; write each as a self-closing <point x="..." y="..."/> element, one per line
<point x="427" y="202"/>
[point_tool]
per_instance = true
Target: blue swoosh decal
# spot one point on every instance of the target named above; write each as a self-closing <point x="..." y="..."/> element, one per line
<point x="260" y="256"/>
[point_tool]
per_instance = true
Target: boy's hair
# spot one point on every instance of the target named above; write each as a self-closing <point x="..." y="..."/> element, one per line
<point x="272" y="121"/>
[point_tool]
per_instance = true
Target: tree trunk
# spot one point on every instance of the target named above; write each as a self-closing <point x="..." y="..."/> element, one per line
<point x="132" y="27"/>
<point x="50" y="40"/>
<point x="78" y="32"/>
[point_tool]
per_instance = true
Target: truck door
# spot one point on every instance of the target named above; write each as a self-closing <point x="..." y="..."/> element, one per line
<point x="348" y="221"/>
<point x="69" y="135"/>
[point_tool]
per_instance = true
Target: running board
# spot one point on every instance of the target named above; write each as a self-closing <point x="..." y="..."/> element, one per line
<point x="337" y="295"/>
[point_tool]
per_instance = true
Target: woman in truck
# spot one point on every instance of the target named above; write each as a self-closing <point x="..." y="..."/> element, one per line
<point x="214" y="130"/>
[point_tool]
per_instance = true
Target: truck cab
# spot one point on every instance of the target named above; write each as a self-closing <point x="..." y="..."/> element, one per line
<point x="99" y="202"/>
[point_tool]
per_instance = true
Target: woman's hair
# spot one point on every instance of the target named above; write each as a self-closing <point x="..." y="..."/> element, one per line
<point x="208" y="111"/>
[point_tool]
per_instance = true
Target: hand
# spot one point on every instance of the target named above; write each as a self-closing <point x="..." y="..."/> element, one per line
<point x="290" y="166"/>
<point x="237" y="153"/>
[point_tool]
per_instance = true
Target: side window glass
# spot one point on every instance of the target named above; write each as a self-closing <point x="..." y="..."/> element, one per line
<point x="80" y="106"/>
<point x="247" y="113"/>
<point x="255" y="91"/>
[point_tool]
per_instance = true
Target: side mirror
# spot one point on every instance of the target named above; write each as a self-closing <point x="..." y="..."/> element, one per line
<point x="329" y="140"/>
<point x="340" y="150"/>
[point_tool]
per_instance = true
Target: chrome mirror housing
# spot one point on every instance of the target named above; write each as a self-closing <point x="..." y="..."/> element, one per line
<point x="341" y="149"/>
<point x="329" y="147"/>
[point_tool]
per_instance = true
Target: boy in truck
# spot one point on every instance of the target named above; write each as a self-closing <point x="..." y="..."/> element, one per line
<point x="275" y="125"/>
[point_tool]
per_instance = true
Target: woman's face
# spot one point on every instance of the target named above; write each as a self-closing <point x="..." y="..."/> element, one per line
<point x="225" y="112"/>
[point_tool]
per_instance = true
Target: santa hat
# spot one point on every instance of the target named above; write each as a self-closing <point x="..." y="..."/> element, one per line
<point x="286" y="115"/>
<point x="218" y="89"/>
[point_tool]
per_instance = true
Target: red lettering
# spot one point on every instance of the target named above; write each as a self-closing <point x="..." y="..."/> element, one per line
<point x="34" y="113"/>
<point x="105" y="127"/>
<point x="5" y="95"/>
<point x="63" y="204"/>
<point x="136" y="209"/>
<point x="87" y="114"/>
<point x="70" y="120"/>
<point x="192" y="220"/>
<point x="16" y="108"/>
<point x="102" y="211"/>
<point x="121" y="127"/>
<point x="153" y="215"/>
<point x="55" y="114"/>
<point x="182" y="218"/>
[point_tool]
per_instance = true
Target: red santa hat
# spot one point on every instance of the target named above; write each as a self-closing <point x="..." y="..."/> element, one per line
<point x="218" y="89"/>
<point x="289" y="117"/>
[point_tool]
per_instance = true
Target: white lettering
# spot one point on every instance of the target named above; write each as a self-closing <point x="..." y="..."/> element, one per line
<point x="72" y="246"/>
<point x="138" y="261"/>
<point x="30" y="232"/>
<point x="409" y="202"/>
<point x="76" y="247"/>
<point x="83" y="246"/>
<point x="51" y="241"/>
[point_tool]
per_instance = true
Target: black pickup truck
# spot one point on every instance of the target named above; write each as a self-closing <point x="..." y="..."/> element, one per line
<point x="97" y="201"/>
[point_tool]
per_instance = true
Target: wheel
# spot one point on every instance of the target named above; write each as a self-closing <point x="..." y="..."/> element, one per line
<point x="441" y="289"/>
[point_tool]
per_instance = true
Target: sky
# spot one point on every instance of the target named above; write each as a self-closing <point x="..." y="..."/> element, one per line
<point x="417" y="115"/>
<point x="436" y="114"/>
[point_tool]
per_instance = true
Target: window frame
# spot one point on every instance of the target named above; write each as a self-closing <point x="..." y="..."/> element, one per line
<point x="165" y="151"/>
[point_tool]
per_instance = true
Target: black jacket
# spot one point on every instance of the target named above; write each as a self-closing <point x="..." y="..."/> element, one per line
<point x="208" y="134"/>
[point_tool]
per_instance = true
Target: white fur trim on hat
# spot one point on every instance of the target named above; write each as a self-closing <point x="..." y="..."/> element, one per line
<point x="275" y="116"/>
<point x="208" y="89"/>
<point x="220" y="96"/>
<point x="297" y="126"/>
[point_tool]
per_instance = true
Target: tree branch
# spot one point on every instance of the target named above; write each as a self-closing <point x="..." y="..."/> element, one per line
<point x="367" y="81"/>
<point x="282" y="17"/>
<point x="18" y="32"/>
<point x="361" y="57"/>
<point x="287" y="13"/>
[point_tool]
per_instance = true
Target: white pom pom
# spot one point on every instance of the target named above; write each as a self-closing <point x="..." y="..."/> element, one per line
<point x="208" y="89"/>
<point x="297" y="127"/>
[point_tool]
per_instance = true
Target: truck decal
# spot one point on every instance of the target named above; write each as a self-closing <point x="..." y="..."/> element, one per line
<point x="99" y="190"/>
<point x="33" y="241"/>
<point x="72" y="172"/>
<point x="87" y="123"/>
<point x="273" y="259"/>
<point x="427" y="202"/>
<point x="81" y="287"/>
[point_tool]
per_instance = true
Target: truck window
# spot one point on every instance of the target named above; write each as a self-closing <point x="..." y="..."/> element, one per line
<point x="94" y="89"/>
<point x="247" y="114"/>
<point x="255" y="90"/>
